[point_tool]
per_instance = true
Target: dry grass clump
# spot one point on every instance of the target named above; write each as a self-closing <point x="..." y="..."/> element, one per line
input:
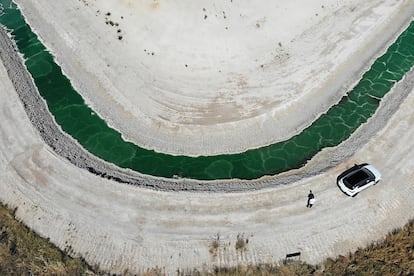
<point x="22" y="252"/>
<point x="291" y="268"/>
<point x="393" y="255"/>
<point x="214" y="246"/>
<point x="241" y="243"/>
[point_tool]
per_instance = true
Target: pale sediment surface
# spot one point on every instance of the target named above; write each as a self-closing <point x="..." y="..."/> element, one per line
<point x="203" y="77"/>
<point x="124" y="227"/>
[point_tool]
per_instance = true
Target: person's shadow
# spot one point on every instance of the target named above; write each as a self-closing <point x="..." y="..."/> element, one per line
<point x="310" y="196"/>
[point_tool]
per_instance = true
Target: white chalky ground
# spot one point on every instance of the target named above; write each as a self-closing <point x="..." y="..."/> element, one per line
<point x="123" y="227"/>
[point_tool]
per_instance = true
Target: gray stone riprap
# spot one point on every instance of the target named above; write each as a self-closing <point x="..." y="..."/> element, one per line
<point x="67" y="147"/>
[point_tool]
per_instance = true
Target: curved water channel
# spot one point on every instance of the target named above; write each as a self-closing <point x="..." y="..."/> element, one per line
<point x="80" y="121"/>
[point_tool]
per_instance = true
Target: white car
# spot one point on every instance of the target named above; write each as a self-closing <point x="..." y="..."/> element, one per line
<point x="358" y="178"/>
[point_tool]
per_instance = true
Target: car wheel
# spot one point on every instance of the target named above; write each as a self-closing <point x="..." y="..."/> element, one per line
<point x="355" y="195"/>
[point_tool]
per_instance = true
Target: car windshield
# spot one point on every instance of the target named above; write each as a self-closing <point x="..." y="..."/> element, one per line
<point x="357" y="178"/>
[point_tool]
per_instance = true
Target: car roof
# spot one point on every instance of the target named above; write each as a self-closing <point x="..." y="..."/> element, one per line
<point x="358" y="177"/>
<point x="352" y="169"/>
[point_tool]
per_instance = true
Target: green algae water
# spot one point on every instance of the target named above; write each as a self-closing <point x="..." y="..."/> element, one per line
<point x="78" y="120"/>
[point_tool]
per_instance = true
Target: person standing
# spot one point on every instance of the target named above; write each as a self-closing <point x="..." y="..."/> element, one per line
<point x="311" y="199"/>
